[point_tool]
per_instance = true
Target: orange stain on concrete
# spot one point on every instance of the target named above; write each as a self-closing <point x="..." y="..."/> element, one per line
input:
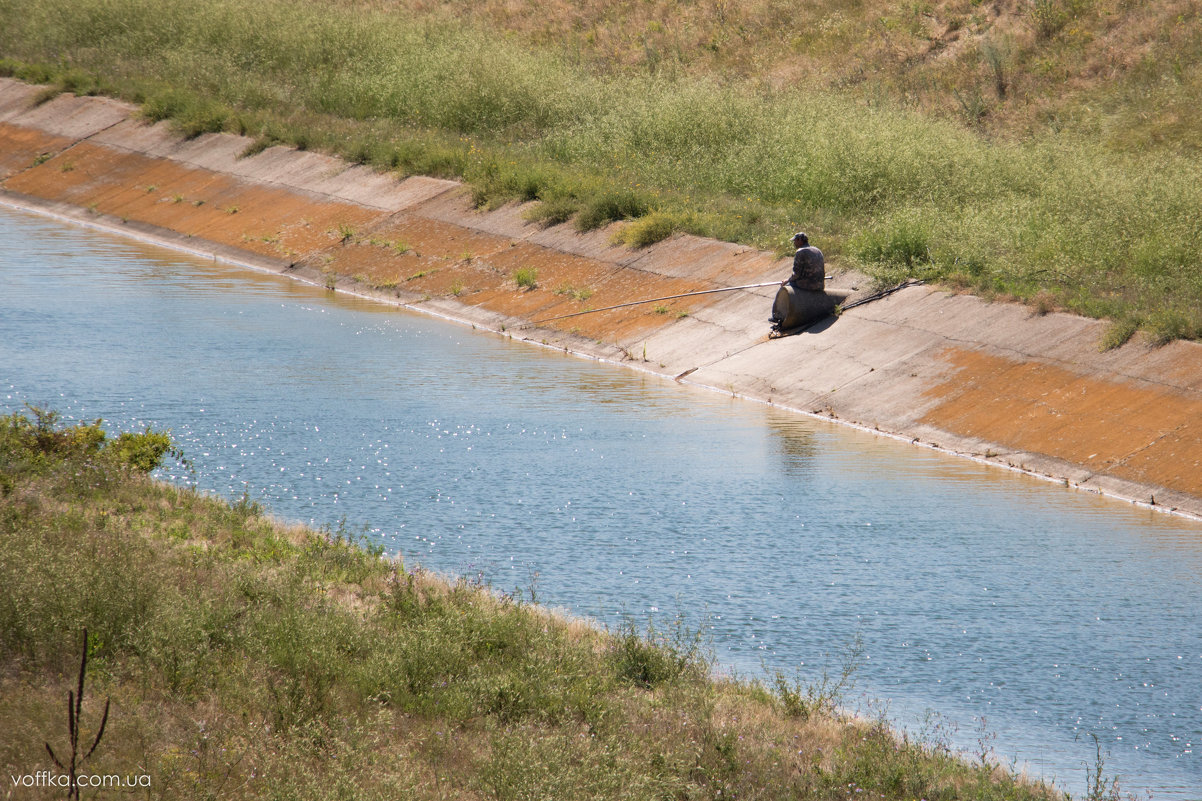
<point x="20" y="148"/>
<point x="439" y="239"/>
<point x="1126" y="430"/>
<point x="412" y="253"/>
<point x="269" y="221"/>
<point x="404" y="252"/>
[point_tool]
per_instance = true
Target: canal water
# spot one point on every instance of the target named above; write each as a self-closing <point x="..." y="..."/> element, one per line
<point x="991" y="610"/>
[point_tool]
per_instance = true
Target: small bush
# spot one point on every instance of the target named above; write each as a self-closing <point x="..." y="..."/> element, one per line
<point x="654" y="658"/>
<point x="143" y="452"/>
<point x="526" y="277"/>
<point x="552" y="211"/>
<point x="799" y="699"/>
<point x="610" y="207"/>
<point x="1118" y="334"/>
<point x="648" y="230"/>
<point x="42" y="438"/>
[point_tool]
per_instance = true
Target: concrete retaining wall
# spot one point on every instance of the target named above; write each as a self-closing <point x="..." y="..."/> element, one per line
<point x="987" y="380"/>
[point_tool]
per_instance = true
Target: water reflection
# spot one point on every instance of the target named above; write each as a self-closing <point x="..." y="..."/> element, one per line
<point x="794" y="442"/>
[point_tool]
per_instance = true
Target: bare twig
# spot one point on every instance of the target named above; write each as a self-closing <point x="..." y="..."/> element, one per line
<point x="74" y="719"/>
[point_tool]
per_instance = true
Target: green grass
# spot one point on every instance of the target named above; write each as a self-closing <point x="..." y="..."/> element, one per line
<point x="580" y="294"/>
<point x="647" y="230"/>
<point x="526" y="277"/>
<point x="1066" y="211"/>
<point x="249" y="659"/>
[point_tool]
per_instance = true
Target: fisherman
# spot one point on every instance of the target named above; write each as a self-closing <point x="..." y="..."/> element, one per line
<point x="809" y="268"/>
<point x="802" y="299"/>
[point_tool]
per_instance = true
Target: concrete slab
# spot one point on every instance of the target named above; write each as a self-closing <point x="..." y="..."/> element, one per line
<point x="16" y="98"/>
<point x="708" y="260"/>
<point x="73" y="117"/>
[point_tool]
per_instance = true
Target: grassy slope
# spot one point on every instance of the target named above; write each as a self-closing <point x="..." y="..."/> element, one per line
<point x="246" y="659"/>
<point x="1040" y="149"/>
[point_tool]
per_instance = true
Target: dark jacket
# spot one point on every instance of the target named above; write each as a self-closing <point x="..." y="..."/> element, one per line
<point x="809" y="269"/>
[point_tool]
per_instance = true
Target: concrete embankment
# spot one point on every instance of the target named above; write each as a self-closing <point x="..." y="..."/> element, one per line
<point x="991" y="381"/>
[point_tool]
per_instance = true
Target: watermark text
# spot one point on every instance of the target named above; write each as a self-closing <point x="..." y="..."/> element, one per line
<point x="49" y="778"/>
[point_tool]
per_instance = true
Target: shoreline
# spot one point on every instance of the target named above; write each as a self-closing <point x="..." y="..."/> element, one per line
<point x="365" y="645"/>
<point x="990" y="382"/>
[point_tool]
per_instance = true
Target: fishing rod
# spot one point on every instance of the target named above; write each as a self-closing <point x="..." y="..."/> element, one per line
<point x="654" y="300"/>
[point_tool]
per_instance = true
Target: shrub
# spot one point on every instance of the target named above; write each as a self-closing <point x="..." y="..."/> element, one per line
<point x="823" y="697"/>
<point x="653" y="658"/>
<point x="143" y="452"/>
<point x="43" y="438"/>
<point x="526" y="277"/>
<point x="647" y="230"/>
<point x="610" y="207"/>
<point x="553" y="211"/>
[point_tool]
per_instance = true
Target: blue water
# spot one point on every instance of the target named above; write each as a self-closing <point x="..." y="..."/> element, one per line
<point x="988" y="605"/>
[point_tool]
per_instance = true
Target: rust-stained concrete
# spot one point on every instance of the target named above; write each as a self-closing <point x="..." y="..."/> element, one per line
<point x="986" y="380"/>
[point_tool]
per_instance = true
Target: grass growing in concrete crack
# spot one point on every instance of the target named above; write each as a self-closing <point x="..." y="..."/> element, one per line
<point x="250" y="659"/>
<point x="579" y="294"/>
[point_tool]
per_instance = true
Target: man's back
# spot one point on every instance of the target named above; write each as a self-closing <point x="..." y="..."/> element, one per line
<point x="809" y="269"/>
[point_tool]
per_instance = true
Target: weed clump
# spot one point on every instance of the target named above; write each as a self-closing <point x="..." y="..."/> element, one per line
<point x="526" y="278"/>
<point x="1166" y="325"/>
<point x="823" y="698"/>
<point x="552" y="211"/>
<point x="902" y="244"/>
<point x="1118" y="333"/>
<point x="579" y="294"/>
<point x="610" y="207"/>
<point x="648" y="230"/>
